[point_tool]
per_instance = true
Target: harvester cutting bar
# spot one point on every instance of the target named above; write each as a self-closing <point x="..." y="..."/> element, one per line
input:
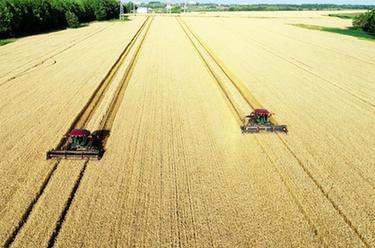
<point x="258" y="129"/>
<point x="67" y="154"/>
<point x="260" y="120"/>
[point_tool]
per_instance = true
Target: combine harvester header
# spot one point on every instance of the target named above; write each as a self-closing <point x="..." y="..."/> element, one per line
<point x="80" y="144"/>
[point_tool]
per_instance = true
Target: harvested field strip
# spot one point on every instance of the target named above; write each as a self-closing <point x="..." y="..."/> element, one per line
<point x="60" y="222"/>
<point x="35" y="64"/>
<point x="238" y="108"/>
<point x="109" y="117"/>
<point x="239" y="85"/>
<point x="80" y="121"/>
<point x="252" y="100"/>
<point x="104" y="85"/>
<point x="89" y="109"/>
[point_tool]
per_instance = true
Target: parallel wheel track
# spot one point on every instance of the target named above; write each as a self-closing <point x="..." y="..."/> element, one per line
<point x="245" y="93"/>
<point x="81" y="120"/>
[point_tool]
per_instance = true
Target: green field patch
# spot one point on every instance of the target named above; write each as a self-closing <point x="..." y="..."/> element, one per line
<point x="349" y="32"/>
<point x="6" y="41"/>
<point x="345" y="15"/>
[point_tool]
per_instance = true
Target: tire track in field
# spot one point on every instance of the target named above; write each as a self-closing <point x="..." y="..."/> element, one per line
<point x="29" y="209"/>
<point x="109" y="118"/>
<point x="324" y="192"/>
<point x="276" y="53"/>
<point x="28" y="69"/>
<point x="285" y="144"/>
<point x="82" y="118"/>
<point x="227" y="95"/>
<point x="239" y="117"/>
<point x="68" y="203"/>
<point x="359" y="173"/>
<point x="92" y="105"/>
<point x="290" y="190"/>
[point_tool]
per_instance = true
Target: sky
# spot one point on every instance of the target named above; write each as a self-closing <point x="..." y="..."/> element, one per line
<point x="365" y="2"/>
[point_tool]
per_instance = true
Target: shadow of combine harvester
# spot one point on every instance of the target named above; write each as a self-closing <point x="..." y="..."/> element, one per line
<point x="80" y="144"/>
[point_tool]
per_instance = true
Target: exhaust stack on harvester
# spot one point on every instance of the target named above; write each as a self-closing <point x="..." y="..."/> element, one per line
<point x="259" y="121"/>
<point x="80" y="144"/>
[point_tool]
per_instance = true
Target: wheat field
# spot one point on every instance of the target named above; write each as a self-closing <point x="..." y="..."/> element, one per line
<point x="177" y="172"/>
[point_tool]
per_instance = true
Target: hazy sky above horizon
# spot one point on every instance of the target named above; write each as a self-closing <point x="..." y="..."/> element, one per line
<point x="364" y="2"/>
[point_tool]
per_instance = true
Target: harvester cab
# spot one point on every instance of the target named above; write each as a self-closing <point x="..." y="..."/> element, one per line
<point x="261" y="116"/>
<point x="260" y="121"/>
<point x="79" y="139"/>
<point x="80" y="144"/>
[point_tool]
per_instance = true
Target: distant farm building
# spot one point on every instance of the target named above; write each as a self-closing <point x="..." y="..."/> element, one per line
<point x="143" y="10"/>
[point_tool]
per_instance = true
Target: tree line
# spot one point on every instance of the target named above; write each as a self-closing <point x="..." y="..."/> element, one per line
<point x="22" y="17"/>
<point x="365" y="21"/>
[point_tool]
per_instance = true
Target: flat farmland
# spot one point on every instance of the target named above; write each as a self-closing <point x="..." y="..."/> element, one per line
<point x="177" y="171"/>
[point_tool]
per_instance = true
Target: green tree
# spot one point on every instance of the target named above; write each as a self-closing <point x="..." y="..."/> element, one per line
<point x="176" y="9"/>
<point x="365" y="21"/>
<point x="19" y="17"/>
<point x="72" y="19"/>
<point x="5" y="19"/>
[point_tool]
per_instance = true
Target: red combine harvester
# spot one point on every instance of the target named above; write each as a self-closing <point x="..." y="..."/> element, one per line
<point x="80" y="144"/>
<point x="260" y="121"/>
